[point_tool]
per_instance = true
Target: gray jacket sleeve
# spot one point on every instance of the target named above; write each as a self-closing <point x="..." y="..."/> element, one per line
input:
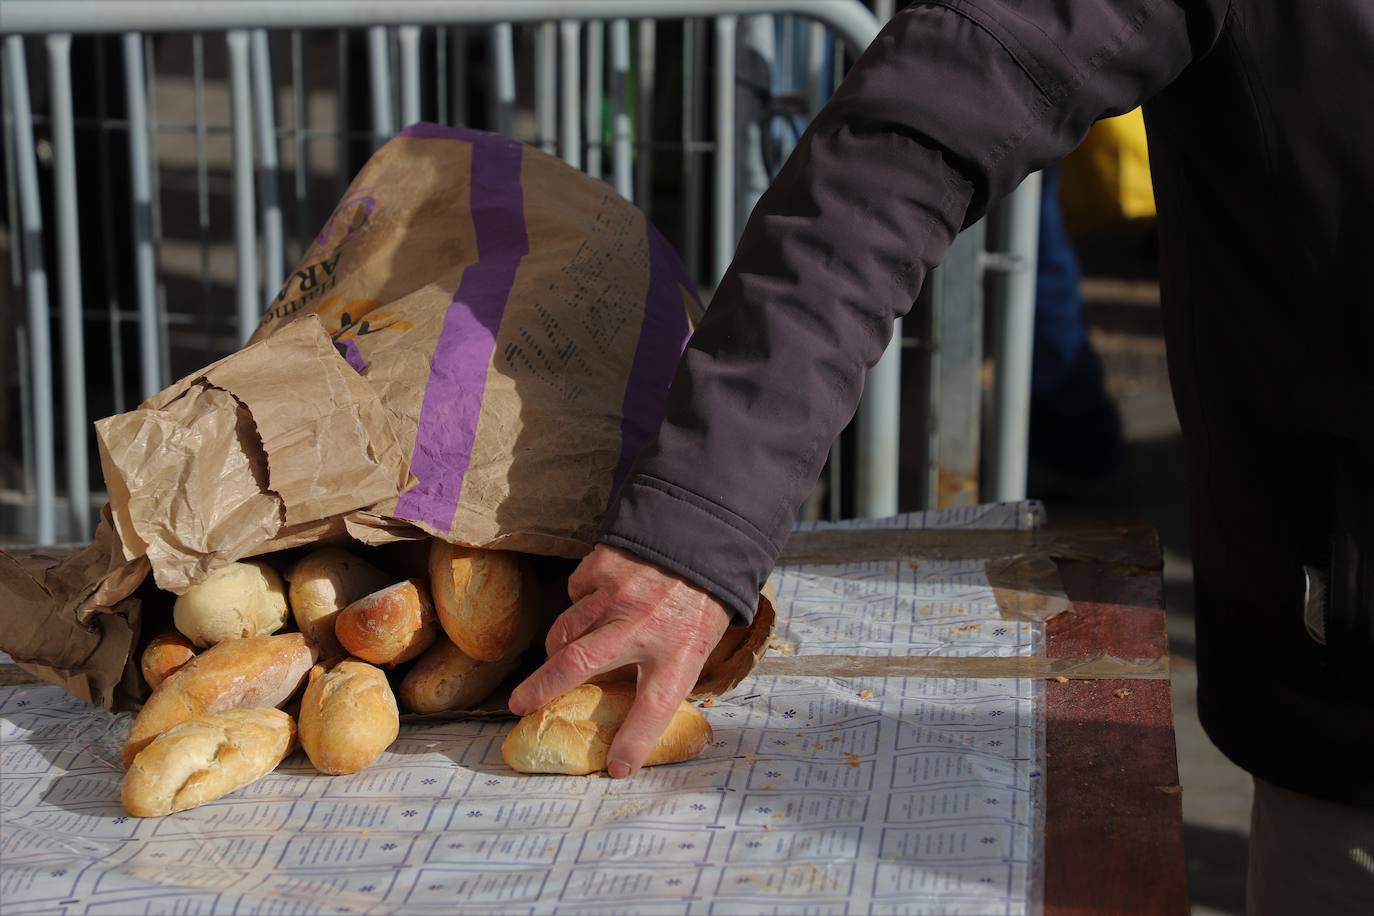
<point x="951" y="106"/>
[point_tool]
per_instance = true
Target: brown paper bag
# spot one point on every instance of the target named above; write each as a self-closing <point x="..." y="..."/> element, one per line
<point x="474" y="348"/>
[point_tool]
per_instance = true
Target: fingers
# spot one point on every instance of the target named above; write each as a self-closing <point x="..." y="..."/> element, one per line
<point x="587" y="577"/>
<point x="597" y="652"/>
<point x="657" y="698"/>
<point x="572" y="624"/>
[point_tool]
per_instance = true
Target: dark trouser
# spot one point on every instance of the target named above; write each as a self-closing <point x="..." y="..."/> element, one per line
<point x="1309" y="856"/>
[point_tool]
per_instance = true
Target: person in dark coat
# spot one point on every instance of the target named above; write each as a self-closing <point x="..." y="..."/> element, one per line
<point x="1260" y="115"/>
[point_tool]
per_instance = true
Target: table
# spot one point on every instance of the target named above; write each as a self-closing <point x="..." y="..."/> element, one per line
<point x="1114" y="820"/>
<point x="1113" y="835"/>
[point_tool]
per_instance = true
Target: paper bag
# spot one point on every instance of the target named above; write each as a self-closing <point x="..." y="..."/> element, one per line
<point x="474" y="348"/>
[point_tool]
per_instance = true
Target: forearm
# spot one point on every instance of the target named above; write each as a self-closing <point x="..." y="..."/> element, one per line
<point x="948" y="110"/>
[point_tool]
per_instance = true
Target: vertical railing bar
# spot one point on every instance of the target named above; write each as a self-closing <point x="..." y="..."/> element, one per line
<point x="546" y="86"/>
<point x="301" y="152"/>
<point x="245" y="259"/>
<point x="409" y="38"/>
<point x="30" y="231"/>
<point x="342" y="115"/>
<point x="269" y="164"/>
<point x="69" y="268"/>
<point x="207" y="314"/>
<point x="622" y="136"/>
<point x="646" y="56"/>
<point x="379" y="75"/>
<point x="815" y="62"/>
<point x="441" y="75"/>
<point x="21" y="355"/>
<point x="1013" y="310"/>
<point x="107" y="233"/>
<point x="502" y="39"/>
<point x="596" y="69"/>
<point x="723" y="198"/>
<point x="24" y="371"/>
<point x="11" y="188"/>
<point x="570" y="88"/>
<point x="693" y="126"/>
<point x="155" y="214"/>
<point x="140" y="168"/>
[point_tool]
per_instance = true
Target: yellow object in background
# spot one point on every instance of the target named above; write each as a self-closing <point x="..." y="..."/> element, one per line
<point x="1106" y="180"/>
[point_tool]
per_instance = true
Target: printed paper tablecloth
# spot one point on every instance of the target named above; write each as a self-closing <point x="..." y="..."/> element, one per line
<point x="817" y="795"/>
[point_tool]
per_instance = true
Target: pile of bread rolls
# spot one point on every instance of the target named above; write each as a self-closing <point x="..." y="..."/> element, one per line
<point x="365" y="644"/>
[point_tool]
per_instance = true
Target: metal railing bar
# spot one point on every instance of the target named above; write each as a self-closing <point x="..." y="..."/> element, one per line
<point x="246" y="262"/>
<point x="570" y="88"/>
<point x="409" y="38"/>
<point x="502" y="39"/>
<point x="269" y="194"/>
<point x="622" y="136"/>
<point x="140" y="183"/>
<point x="591" y="109"/>
<point x="300" y="151"/>
<point x="546" y="86"/>
<point x="36" y="286"/>
<point x="74" y="418"/>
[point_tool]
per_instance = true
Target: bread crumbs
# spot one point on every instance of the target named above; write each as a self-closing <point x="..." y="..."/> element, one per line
<point x="1121" y="693"/>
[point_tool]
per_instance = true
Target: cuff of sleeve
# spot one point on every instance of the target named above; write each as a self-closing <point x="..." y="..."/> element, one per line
<point x="705" y="543"/>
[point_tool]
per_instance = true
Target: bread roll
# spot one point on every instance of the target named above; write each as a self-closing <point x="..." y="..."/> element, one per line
<point x="206" y="758"/>
<point x="573" y="734"/>
<point x="348" y="716"/>
<point x="479" y="597"/>
<point x="322" y="584"/>
<point x="164" y="654"/>
<point x="237" y="601"/>
<point x="262" y="671"/>
<point x="389" y="627"/>
<point x="447" y="678"/>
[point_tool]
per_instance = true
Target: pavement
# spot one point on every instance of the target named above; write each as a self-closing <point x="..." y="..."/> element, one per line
<point x="1151" y="487"/>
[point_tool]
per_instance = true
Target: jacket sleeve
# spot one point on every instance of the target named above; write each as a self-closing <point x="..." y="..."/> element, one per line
<point x="951" y="106"/>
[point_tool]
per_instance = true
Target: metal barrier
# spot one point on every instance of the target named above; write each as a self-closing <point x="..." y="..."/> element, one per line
<point x="567" y="121"/>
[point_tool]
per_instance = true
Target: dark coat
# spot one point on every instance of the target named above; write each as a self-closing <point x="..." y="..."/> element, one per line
<point x="1260" y="116"/>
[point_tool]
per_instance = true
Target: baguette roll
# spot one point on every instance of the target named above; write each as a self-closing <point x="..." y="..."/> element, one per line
<point x="572" y="735"/>
<point x="389" y="627"/>
<point x="446" y="678"/>
<point x="205" y="758"/>
<point x="165" y="653"/>
<point x="236" y="602"/>
<point x="239" y="673"/>
<point x="323" y="583"/>
<point x="481" y="601"/>
<point x="348" y="716"/>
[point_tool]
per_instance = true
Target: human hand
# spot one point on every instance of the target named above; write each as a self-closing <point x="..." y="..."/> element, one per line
<point x="627" y="611"/>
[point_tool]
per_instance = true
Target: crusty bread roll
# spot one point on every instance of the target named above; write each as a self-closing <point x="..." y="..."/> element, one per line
<point x="446" y="677"/>
<point x="205" y="758"/>
<point x="389" y="627"/>
<point x="236" y="601"/>
<point x="322" y="584"/>
<point x="479" y="595"/>
<point x="573" y="734"/>
<point x="348" y="716"/>
<point x="164" y="654"/>
<point x="238" y="673"/>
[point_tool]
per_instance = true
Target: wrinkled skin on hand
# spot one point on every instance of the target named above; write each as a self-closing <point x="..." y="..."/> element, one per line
<point x="627" y="611"/>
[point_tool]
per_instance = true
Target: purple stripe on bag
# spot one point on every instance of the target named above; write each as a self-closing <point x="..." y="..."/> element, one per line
<point x="462" y="357"/>
<point x="661" y="339"/>
<point x="349" y="348"/>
